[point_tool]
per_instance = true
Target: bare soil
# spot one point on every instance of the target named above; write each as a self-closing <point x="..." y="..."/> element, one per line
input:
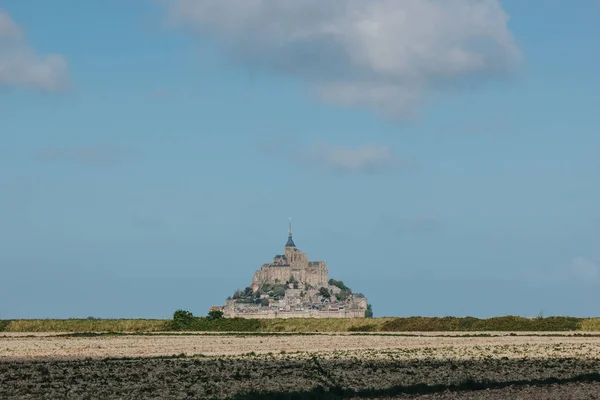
<point x="226" y="366"/>
<point x="53" y="347"/>
<point x="567" y="391"/>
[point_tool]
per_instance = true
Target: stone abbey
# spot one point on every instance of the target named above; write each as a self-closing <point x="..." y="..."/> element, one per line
<point x="291" y="286"/>
<point x="292" y="264"/>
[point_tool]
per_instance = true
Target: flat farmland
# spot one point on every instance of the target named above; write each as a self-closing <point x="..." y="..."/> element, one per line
<point x="263" y="366"/>
<point x="14" y="346"/>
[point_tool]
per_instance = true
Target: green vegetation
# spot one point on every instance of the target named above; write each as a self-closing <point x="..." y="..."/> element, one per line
<point x="345" y="291"/>
<point x="185" y="321"/>
<point x="247" y="295"/>
<point x="86" y="325"/>
<point x="322" y="325"/>
<point x="369" y="312"/>
<point x="277" y="292"/>
<point x="215" y="314"/>
<point x="214" y="322"/>
<point x="339" y="284"/>
<point x="470" y="324"/>
<point x="182" y="319"/>
<point x="4" y="324"/>
<point x="591" y="324"/>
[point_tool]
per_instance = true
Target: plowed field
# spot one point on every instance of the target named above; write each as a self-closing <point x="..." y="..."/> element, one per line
<point x="228" y="366"/>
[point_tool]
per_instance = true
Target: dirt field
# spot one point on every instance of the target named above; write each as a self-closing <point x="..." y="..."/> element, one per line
<point x="36" y="347"/>
<point x="257" y="366"/>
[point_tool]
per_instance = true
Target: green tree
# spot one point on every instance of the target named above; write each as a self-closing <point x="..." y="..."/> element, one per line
<point x="215" y="314"/>
<point x="182" y="319"/>
<point x="325" y="292"/>
<point x="369" y="311"/>
<point x="343" y="295"/>
<point x="266" y="288"/>
<point x="339" y="284"/>
<point x="278" y="291"/>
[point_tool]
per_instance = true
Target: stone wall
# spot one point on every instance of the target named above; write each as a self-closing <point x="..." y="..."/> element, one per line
<point x="296" y="314"/>
<point x="270" y="274"/>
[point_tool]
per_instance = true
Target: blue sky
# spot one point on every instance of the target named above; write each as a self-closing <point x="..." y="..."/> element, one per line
<point x="441" y="157"/>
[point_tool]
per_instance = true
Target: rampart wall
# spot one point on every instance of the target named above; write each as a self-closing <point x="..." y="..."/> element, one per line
<point x="297" y="314"/>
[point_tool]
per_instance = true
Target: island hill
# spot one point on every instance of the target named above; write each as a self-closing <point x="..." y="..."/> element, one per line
<point x="291" y="286"/>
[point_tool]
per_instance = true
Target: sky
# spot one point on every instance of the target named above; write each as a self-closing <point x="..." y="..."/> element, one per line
<point x="441" y="156"/>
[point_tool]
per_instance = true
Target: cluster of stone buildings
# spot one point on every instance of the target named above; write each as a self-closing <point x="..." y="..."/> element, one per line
<point x="291" y="286"/>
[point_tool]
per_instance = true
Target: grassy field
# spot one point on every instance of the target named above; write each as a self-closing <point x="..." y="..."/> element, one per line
<point x="86" y="325"/>
<point x="323" y="325"/>
<point x="388" y="324"/>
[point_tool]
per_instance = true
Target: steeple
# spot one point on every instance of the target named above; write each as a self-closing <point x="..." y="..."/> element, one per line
<point x="290" y="241"/>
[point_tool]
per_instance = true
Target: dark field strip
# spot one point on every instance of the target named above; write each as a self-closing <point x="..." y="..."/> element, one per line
<point x="415" y="391"/>
<point x="281" y="377"/>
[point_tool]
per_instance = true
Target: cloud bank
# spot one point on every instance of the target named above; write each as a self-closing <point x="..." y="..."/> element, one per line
<point x="21" y="66"/>
<point x="385" y="55"/>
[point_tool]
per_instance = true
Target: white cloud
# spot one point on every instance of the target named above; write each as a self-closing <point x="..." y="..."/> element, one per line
<point x="21" y="66"/>
<point x="381" y="54"/>
<point x="8" y="28"/>
<point x="585" y="269"/>
<point x="366" y="159"/>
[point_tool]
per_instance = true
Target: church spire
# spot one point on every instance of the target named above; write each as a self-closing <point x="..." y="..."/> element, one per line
<point x="290" y="241"/>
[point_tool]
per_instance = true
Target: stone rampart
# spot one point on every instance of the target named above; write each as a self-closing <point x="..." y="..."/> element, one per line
<point x="296" y="314"/>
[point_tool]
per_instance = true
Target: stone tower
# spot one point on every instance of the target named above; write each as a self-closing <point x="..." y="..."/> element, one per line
<point x="290" y="246"/>
<point x="295" y="258"/>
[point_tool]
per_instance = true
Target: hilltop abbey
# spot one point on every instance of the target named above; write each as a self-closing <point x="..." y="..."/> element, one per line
<point x="291" y="286"/>
<point x="292" y="264"/>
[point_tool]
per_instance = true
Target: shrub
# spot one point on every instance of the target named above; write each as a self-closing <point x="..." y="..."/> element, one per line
<point x="3" y="324"/>
<point x="325" y="292"/>
<point x="185" y="321"/>
<point x="508" y="323"/>
<point x="363" y="328"/>
<point x="225" y="325"/>
<point x="369" y="311"/>
<point x="266" y="288"/>
<point x="339" y="284"/>
<point x="278" y="290"/>
<point x="215" y="314"/>
<point x="343" y="295"/>
<point x="182" y="320"/>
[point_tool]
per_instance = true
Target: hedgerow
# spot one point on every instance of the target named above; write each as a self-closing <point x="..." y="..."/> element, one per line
<point x="3" y="324"/>
<point x="185" y="321"/>
<point x="508" y="323"/>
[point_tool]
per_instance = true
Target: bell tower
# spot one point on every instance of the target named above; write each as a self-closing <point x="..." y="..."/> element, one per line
<point x="290" y="246"/>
